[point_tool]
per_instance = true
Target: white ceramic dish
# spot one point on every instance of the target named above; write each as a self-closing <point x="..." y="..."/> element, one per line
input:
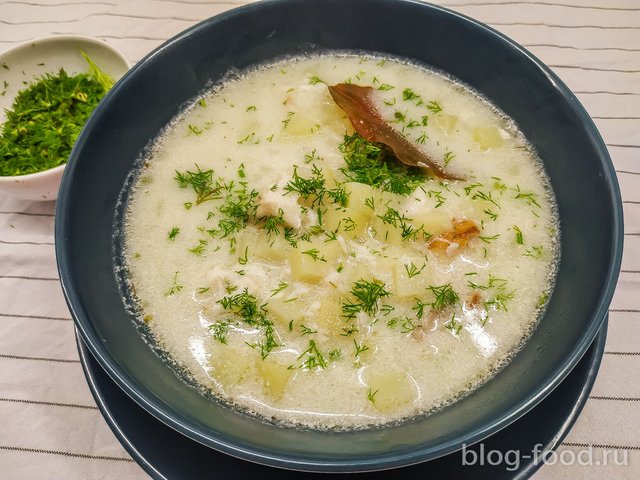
<point x="22" y="64"/>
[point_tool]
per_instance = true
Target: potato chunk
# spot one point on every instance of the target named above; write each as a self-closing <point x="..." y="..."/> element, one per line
<point x="230" y="367"/>
<point x="311" y="262"/>
<point x="391" y="391"/>
<point x="274" y="376"/>
<point x="329" y="317"/>
<point x="257" y="244"/>
<point x="286" y="310"/>
<point x="446" y="123"/>
<point x="487" y="137"/>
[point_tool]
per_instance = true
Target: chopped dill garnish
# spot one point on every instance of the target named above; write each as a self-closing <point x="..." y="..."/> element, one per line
<point x="434" y="107"/>
<point x="199" y="248"/>
<point x="315" y="254"/>
<point x="46" y="118"/>
<point x="312" y="187"/>
<point x="445" y="296"/>
<point x="489" y="239"/>
<point x="360" y="348"/>
<point x="201" y="181"/>
<point x="419" y="307"/>
<point x="385" y="87"/>
<point x="529" y="198"/>
<point x="314" y="357"/>
<point x="272" y="223"/>
<point x="239" y="206"/>
<point x="245" y="258"/>
<point x="219" y="330"/>
<point x="542" y="299"/>
<point x="176" y="286"/>
<point x="307" y="330"/>
<point x="281" y="286"/>
<point x="519" y="239"/>
<point x="195" y="129"/>
<point x="408" y="94"/>
<point x="373" y="164"/>
<point x="407" y="325"/>
<point x="536" y="251"/>
<point x="173" y="233"/>
<point x="448" y="156"/>
<point x="335" y="354"/>
<point x="367" y="295"/>
<point x="371" y="395"/>
<point x="453" y="325"/>
<point x="413" y="270"/>
<point x="490" y="214"/>
<point x="245" y="306"/>
<point x="286" y="121"/>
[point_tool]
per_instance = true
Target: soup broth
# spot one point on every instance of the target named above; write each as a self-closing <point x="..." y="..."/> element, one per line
<point x="302" y="273"/>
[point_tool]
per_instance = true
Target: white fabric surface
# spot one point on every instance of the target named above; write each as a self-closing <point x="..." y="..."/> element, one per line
<point x="50" y="426"/>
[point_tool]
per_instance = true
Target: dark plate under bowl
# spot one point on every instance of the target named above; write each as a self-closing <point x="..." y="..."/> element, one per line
<point x="156" y="89"/>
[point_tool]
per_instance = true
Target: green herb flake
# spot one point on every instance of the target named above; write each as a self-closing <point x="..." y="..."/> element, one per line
<point x="519" y="239"/>
<point x="173" y="233"/>
<point x="445" y="296"/>
<point x="371" y="395"/>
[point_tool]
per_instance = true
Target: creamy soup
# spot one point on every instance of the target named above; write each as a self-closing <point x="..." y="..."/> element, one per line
<point x="302" y="273"/>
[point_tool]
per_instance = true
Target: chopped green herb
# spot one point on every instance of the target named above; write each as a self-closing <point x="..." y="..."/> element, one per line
<point x="373" y="164"/>
<point x="367" y="295"/>
<point x="453" y="325"/>
<point x="489" y="239"/>
<point x="306" y="330"/>
<point x="314" y="357"/>
<point x="201" y="181"/>
<point x="46" y="118"/>
<point x="281" y="286"/>
<point x="176" y="286"/>
<point x="173" y="233"/>
<point x="200" y="248"/>
<point x="448" y="156"/>
<point x="360" y="348"/>
<point x="536" y="251"/>
<point x="220" y="330"/>
<point x="413" y="270"/>
<point x="434" y="107"/>
<point x="408" y="94"/>
<point x="529" y="198"/>
<point x="519" y="239"/>
<point x="315" y="254"/>
<point x="371" y="395"/>
<point x="445" y="296"/>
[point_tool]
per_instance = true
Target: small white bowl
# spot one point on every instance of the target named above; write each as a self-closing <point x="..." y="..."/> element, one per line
<point x="21" y="65"/>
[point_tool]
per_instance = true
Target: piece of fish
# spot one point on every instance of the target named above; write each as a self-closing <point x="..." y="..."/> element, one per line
<point x="357" y="103"/>
<point x="463" y="231"/>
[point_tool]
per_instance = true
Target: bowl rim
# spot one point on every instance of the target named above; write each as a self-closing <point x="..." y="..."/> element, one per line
<point x="381" y="461"/>
<point x="117" y="53"/>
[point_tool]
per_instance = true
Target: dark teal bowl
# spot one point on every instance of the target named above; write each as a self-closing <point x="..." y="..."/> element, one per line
<point x="155" y="90"/>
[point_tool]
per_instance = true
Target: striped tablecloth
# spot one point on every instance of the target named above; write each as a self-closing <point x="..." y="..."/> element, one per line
<point x="49" y="424"/>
